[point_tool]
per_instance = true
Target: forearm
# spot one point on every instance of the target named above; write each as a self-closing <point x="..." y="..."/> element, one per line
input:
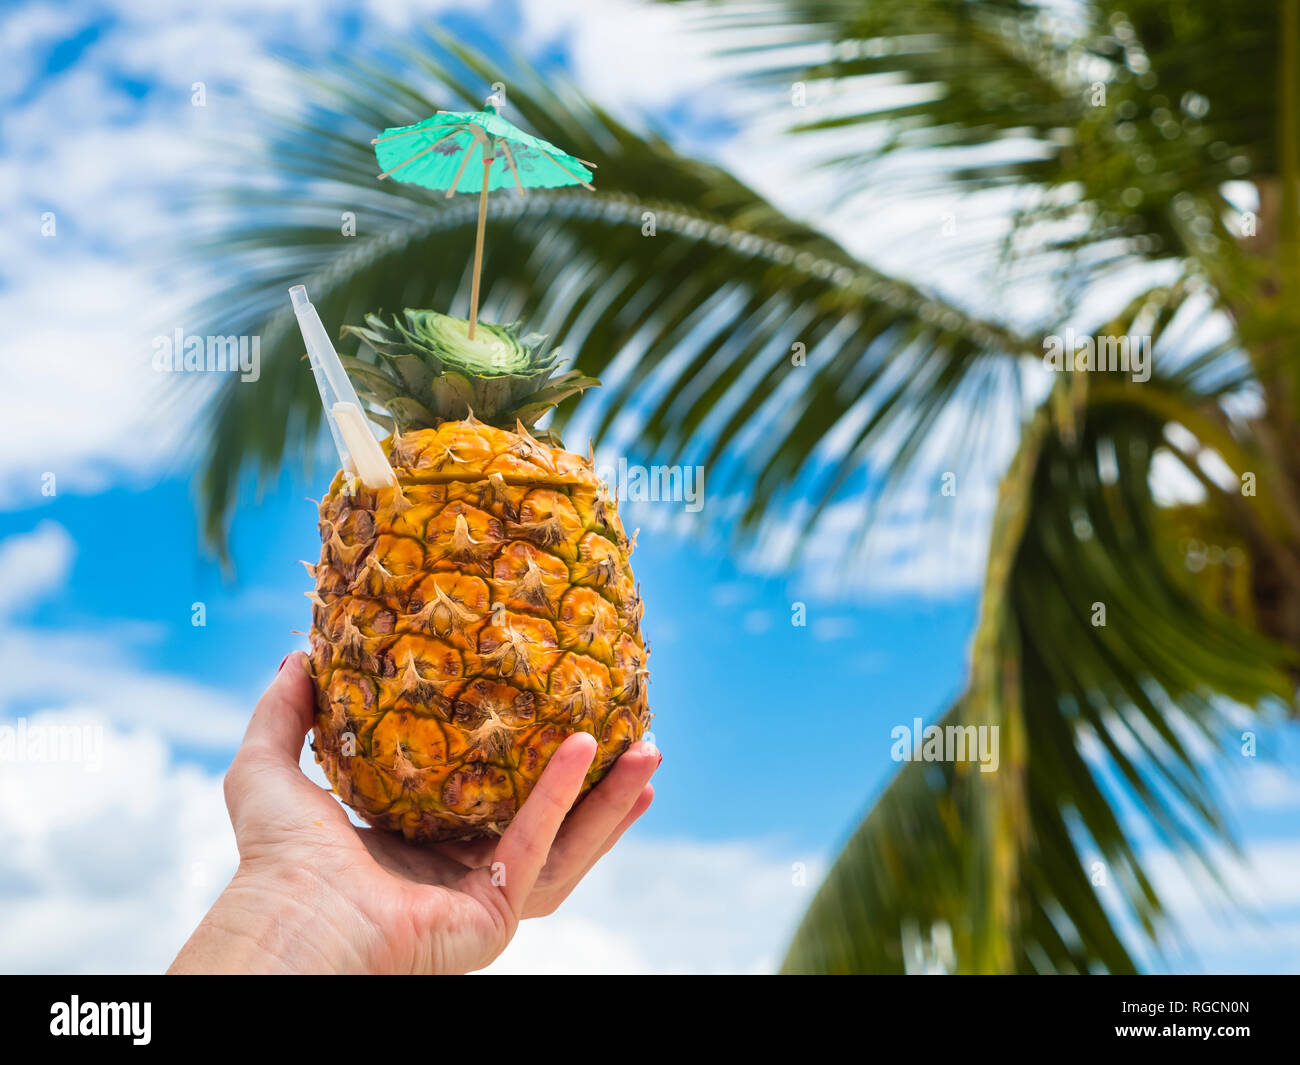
<point x="279" y="924"/>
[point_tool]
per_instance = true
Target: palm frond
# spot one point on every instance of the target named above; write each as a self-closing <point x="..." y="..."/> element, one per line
<point x="1109" y="669"/>
<point x="1123" y="118"/>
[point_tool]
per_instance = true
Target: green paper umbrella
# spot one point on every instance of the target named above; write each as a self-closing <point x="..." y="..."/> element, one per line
<point x="476" y="151"/>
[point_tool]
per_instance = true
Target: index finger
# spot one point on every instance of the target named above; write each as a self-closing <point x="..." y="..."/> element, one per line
<point x="526" y="844"/>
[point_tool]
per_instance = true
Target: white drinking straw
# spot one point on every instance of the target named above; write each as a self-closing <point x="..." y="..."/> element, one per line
<point x="358" y="449"/>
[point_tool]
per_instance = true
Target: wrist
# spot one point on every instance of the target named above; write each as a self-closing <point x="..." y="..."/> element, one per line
<point x="277" y="921"/>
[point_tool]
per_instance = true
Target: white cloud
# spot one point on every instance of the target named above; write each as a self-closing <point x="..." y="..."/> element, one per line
<point x="1172" y="483"/>
<point x="81" y="401"/>
<point x="672" y="906"/>
<point x="1269" y="787"/>
<point x="33" y="564"/>
<point x="618" y="49"/>
<point x="107" y="870"/>
<point x="923" y="544"/>
<point x="1254" y="931"/>
<point x="88" y="668"/>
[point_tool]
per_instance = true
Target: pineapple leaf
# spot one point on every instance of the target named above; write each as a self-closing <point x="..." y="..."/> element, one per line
<point x="561" y="388"/>
<point x="409" y="413"/>
<point x="415" y="373"/>
<point x="453" y="396"/>
<point x="496" y="393"/>
<point x="370" y="379"/>
<point x="373" y="333"/>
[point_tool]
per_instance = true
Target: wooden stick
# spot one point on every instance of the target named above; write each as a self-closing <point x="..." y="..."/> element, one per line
<point x="478" y="247"/>
<point x="460" y="170"/>
<point x="481" y="139"/>
<point x="566" y="169"/>
<point x="416" y="156"/>
<point x="424" y="129"/>
<point x="511" y="160"/>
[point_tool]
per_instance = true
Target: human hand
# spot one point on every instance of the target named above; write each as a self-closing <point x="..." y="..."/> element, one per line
<point x="314" y="893"/>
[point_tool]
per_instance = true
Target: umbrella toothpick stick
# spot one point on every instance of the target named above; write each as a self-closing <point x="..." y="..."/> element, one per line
<point x="513" y="169"/>
<point x="586" y="185"/>
<point x="412" y="133"/>
<point x="459" y="171"/>
<point x="478" y="247"/>
<point x="416" y="156"/>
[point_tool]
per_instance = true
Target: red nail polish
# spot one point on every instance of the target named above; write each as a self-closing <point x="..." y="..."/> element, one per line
<point x="282" y="662"/>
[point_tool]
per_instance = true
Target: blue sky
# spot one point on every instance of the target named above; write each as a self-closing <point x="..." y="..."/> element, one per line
<point x="737" y="688"/>
<point x="775" y="737"/>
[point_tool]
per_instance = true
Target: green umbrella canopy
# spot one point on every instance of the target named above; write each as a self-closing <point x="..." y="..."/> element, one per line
<point x="476" y="151"/>
<point x="447" y="150"/>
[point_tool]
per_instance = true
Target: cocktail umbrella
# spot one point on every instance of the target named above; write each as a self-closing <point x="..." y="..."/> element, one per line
<point x="476" y="151"/>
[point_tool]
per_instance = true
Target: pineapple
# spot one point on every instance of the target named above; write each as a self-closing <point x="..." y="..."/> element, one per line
<point x="468" y="620"/>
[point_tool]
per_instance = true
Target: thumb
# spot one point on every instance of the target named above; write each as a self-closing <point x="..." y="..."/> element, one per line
<point x="265" y="780"/>
<point x="284" y="713"/>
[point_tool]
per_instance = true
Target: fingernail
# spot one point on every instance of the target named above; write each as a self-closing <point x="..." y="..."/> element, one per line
<point x="283" y="661"/>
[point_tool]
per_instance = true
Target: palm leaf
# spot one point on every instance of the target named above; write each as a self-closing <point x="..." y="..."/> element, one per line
<point x="1120" y="119"/>
<point x="1092" y="717"/>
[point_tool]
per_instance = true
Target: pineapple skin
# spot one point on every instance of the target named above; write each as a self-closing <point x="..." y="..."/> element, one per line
<point x="465" y="623"/>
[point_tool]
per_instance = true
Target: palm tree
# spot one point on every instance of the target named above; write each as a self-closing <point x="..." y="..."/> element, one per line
<point x="1121" y="134"/>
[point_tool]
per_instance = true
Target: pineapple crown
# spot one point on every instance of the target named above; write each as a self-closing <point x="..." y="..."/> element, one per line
<point x="428" y="371"/>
